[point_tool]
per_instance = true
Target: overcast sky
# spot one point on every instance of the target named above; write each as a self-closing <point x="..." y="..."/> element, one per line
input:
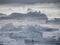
<point x="28" y="1"/>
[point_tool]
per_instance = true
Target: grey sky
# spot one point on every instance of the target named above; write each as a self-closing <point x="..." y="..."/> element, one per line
<point x="28" y="1"/>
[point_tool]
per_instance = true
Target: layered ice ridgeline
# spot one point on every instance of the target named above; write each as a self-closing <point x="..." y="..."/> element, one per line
<point x="28" y="34"/>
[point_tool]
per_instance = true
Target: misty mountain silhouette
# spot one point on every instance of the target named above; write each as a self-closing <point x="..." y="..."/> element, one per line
<point x="55" y="21"/>
<point x="1" y="14"/>
<point x="29" y="15"/>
